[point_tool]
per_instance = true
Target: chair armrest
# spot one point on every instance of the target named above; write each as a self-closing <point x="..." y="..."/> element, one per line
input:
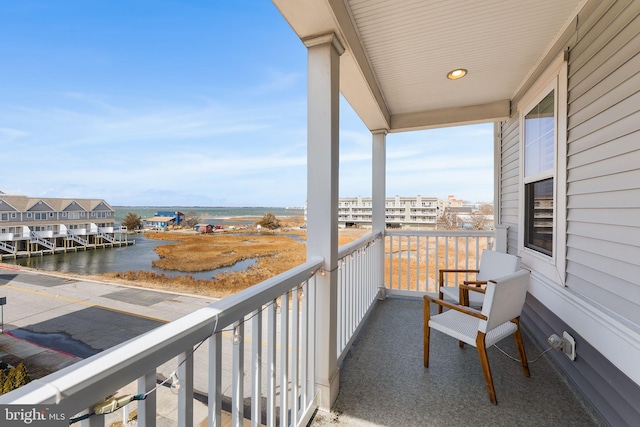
<point x="452" y="270"/>
<point x="477" y="283"/>
<point x="473" y="288"/>
<point x="459" y="270"/>
<point x="460" y="308"/>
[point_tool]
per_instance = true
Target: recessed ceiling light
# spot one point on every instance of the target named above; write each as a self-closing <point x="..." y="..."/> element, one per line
<point x="457" y="74"/>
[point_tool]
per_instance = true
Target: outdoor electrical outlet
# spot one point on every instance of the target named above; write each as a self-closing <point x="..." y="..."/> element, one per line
<point x="569" y="347"/>
<point x="566" y="344"/>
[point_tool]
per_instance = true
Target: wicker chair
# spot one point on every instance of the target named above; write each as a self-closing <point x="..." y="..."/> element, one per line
<point x="503" y="302"/>
<point x="492" y="266"/>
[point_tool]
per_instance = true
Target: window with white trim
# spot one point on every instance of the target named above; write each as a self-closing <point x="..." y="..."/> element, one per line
<point x="543" y="150"/>
<point x="539" y="171"/>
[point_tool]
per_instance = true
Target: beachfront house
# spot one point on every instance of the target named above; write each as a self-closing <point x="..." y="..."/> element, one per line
<point x="177" y="216"/>
<point x="163" y="219"/>
<point x="559" y="79"/>
<point x="35" y="226"/>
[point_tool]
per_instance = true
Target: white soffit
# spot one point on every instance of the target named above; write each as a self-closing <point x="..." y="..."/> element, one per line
<point x="407" y="47"/>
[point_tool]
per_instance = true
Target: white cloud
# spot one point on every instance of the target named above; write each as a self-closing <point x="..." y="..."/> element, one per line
<point x="277" y="81"/>
<point x="197" y="151"/>
<point x="8" y="135"/>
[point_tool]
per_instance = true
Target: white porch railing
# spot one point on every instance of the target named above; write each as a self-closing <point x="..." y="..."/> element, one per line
<point x="106" y="237"/>
<point x="7" y="247"/>
<point x="358" y="282"/>
<point x="413" y="258"/>
<point x="72" y="235"/>
<point x="35" y="238"/>
<point x="412" y="261"/>
<point x="48" y="234"/>
<point x="286" y="396"/>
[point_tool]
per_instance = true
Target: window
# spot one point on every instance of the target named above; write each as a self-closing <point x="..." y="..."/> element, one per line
<point x="538" y="202"/>
<point x="543" y="175"/>
<point x="4" y="217"/>
<point x="539" y="170"/>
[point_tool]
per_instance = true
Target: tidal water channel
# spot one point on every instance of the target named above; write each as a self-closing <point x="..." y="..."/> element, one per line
<point x="136" y="257"/>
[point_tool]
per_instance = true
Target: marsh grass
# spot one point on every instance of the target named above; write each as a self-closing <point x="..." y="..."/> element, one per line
<point x="275" y="252"/>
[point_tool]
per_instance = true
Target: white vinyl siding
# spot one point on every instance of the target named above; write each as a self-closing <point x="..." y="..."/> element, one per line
<point x="600" y="175"/>
<point x="603" y="162"/>
<point x="509" y="180"/>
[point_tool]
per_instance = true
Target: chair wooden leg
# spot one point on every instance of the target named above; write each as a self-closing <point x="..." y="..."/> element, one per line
<point x="520" y="346"/>
<point x="462" y="301"/>
<point x="440" y="294"/>
<point x="463" y="296"/>
<point x="427" y="331"/>
<point x="486" y="369"/>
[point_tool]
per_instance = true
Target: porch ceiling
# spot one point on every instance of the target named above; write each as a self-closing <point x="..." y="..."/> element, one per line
<point x="398" y="54"/>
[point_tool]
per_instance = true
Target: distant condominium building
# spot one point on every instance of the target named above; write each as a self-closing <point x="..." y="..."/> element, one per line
<point x="32" y="225"/>
<point x="399" y="211"/>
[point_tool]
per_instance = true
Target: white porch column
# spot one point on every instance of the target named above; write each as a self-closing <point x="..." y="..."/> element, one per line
<point x="502" y="244"/>
<point x="379" y="195"/>
<point x="322" y="202"/>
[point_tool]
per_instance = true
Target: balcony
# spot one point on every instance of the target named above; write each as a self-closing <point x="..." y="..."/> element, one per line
<point x="235" y="355"/>
<point x="383" y="382"/>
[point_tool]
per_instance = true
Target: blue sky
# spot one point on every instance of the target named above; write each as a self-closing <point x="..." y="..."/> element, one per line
<point x="189" y="103"/>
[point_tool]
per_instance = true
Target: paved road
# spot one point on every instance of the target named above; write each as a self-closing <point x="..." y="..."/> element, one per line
<point x="83" y="317"/>
<point x="73" y="319"/>
<point x="61" y="320"/>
